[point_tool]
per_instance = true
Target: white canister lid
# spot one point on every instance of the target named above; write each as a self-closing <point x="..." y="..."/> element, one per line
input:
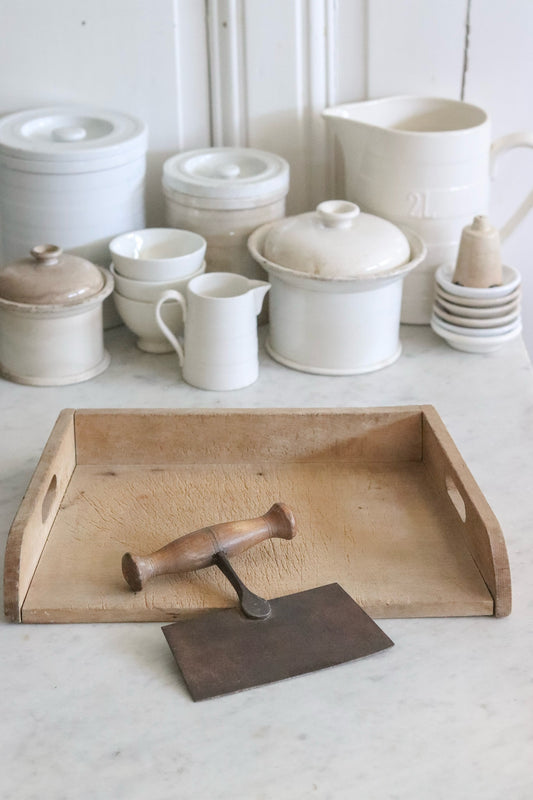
<point x="233" y="175"/>
<point x="337" y="241"/>
<point x="70" y="138"/>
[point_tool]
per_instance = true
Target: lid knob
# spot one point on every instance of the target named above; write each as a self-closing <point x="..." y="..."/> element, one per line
<point x="337" y="213"/>
<point x="46" y="253"/>
<point x="229" y="171"/>
<point x="69" y="133"/>
<point x="481" y="223"/>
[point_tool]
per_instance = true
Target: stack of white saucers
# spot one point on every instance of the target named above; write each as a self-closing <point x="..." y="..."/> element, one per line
<point x="477" y="320"/>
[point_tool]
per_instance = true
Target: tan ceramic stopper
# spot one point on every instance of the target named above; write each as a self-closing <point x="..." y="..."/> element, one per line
<point x="479" y="262"/>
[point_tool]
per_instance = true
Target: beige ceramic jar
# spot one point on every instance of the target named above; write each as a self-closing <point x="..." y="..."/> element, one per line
<point x="225" y="193"/>
<point x="51" y="322"/>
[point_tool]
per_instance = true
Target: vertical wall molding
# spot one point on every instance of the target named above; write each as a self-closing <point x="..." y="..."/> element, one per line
<point x="317" y="57"/>
<point x="273" y="69"/>
<point x="227" y="72"/>
<point x="192" y="110"/>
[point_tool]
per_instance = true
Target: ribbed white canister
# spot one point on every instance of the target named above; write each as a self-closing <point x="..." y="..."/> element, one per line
<point x="225" y="193"/>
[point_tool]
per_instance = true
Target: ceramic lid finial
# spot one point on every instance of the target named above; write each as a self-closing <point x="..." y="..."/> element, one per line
<point x="337" y="213"/>
<point x="46" y="253"/>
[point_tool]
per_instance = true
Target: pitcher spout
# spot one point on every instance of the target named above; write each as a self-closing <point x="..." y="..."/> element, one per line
<point x="259" y="290"/>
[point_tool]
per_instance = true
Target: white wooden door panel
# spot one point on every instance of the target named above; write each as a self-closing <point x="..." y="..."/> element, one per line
<point x="416" y="47"/>
<point x="500" y="78"/>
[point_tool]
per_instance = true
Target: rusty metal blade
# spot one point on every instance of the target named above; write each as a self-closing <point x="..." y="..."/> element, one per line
<point x="222" y="651"/>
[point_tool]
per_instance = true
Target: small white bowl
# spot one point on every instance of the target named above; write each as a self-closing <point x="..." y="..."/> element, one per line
<point x="511" y="280"/>
<point x="139" y="317"/>
<point x="149" y="291"/>
<point x="157" y="254"/>
<point x="472" y="344"/>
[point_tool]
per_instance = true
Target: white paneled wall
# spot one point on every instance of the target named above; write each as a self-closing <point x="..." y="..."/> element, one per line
<point x="259" y="73"/>
<point x="148" y="58"/>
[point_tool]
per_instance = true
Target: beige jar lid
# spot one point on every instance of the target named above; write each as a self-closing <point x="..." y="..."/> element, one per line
<point x="337" y="240"/>
<point x="50" y="277"/>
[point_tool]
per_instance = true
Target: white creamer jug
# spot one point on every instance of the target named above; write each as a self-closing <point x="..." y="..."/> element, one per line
<point x="220" y="311"/>
<point x="425" y="163"/>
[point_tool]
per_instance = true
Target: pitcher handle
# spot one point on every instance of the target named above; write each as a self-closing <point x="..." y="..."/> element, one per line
<point x="171" y="294"/>
<point x="503" y="145"/>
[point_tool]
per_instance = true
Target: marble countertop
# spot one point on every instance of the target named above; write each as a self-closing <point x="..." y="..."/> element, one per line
<point x="99" y="710"/>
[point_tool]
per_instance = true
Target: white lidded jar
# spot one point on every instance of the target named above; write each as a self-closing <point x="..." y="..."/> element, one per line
<point x="336" y="278"/>
<point x="51" y="330"/>
<point x="225" y="193"/>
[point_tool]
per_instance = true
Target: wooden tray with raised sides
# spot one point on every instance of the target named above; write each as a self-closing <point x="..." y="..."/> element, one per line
<point x="384" y="504"/>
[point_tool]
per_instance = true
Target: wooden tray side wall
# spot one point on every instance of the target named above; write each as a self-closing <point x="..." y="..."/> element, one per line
<point x="36" y="514"/>
<point x="481" y="529"/>
<point x="161" y="437"/>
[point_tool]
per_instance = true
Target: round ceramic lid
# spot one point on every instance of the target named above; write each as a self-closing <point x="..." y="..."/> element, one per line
<point x="68" y="135"/>
<point x="337" y="240"/>
<point x="50" y="277"/>
<point x="237" y="173"/>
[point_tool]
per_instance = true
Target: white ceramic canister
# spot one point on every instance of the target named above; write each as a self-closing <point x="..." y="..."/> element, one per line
<point x="51" y="322"/>
<point x="336" y="280"/>
<point x="224" y="193"/>
<point x="71" y="174"/>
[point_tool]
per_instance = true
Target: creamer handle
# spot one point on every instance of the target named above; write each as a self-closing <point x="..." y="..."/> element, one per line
<point x="171" y="294"/>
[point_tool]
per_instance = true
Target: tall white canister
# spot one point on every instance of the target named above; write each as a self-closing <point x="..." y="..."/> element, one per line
<point x="225" y="193"/>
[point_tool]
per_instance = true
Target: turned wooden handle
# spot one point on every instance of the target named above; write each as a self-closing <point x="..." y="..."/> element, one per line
<point x="196" y="550"/>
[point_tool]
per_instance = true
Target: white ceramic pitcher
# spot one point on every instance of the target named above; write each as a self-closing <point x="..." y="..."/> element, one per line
<point x="220" y="312"/>
<point x="425" y="163"/>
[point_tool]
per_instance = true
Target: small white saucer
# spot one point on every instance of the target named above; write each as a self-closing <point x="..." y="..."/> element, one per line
<point x="474" y="333"/>
<point x="468" y="322"/>
<point x="472" y="344"/>
<point x="511" y="281"/>
<point x="477" y="313"/>
<point x="471" y="302"/>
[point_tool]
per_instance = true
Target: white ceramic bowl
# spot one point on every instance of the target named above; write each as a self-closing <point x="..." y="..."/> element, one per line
<point x="157" y="254"/>
<point x="511" y="281"/>
<point x="150" y="291"/>
<point x="140" y="318"/>
<point x="473" y="344"/>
